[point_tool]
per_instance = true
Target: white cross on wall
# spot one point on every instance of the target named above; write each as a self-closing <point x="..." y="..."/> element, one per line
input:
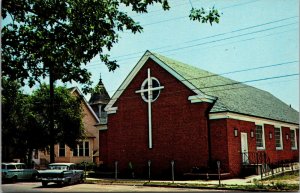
<point x="149" y="90"/>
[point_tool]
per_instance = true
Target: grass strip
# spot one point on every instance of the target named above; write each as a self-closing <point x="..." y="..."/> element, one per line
<point x="271" y="188"/>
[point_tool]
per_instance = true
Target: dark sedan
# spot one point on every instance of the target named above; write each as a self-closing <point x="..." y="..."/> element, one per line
<point x="61" y="173"/>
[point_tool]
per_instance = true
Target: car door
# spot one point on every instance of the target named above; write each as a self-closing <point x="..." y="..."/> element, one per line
<point x="16" y="171"/>
<point x="76" y="173"/>
<point x="27" y="173"/>
<point x="73" y="175"/>
<point x="23" y="173"/>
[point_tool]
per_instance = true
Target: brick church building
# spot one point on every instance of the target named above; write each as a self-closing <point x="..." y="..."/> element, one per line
<point x="167" y="111"/>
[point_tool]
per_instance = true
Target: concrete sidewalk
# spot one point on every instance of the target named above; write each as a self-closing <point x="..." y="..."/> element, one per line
<point x="236" y="181"/>
<point x="247" y="181"/>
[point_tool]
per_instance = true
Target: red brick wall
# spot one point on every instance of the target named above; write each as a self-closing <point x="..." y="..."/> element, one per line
<point x="270" y="143"/>
<point x="234" y="143"/>
<point x="179" y="128"/>
<point x="296" y="152"/>
<point x="179" y="131"/>
<point x="287" y="152"/>
<point x="219" y="147"/>
<point x="279" y="155"/>
<point x="103" y="146"/>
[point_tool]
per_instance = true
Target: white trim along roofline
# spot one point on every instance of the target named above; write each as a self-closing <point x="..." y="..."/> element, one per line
<point x="86" y="103"/>
<point x="199" y="97"/>
<point x="249" y="118"/>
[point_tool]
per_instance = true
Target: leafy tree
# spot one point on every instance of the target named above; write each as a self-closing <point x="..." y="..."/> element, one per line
<point x="68" y="125"/>
<point x="64" y="34"/>
<point x="13" y="113"/>
<point x="21" y="131"/>
<point x="25" y="120"/>
<point x="56" y="37"/>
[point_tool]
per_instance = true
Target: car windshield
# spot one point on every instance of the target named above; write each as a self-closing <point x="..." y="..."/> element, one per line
<point x="58" y="167"/>
<point x="11" y="167"/>
<point x="20" y="166"/>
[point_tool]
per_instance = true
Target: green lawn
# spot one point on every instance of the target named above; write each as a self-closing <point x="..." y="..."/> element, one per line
<point x="286" y="177"/>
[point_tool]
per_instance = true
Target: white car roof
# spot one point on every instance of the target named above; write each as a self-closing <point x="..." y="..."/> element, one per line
<point x="65" y="164"/>
<point x="13" y="163"/>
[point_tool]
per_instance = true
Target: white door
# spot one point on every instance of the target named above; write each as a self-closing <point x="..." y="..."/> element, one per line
<point x="244" y="148"/>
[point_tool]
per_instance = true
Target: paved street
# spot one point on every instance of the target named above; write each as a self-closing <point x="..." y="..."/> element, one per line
<point x="37" y="187"/>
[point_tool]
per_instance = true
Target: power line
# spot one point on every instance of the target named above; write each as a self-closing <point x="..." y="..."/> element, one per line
<point x="213" y="41"/>
<point x="248" y="69"/>
<point x="222" y="85"/>
<point x="242" y="29"/>
<point x="184" y="47"/>
<point x="191" y="3"/>
<point x="248" y="39"/>
<point x="233" y="72"/>
<point x="185" y="16"/>
<point x="239" y="4"/>
<point x="247" y="86"/>
<point x="241" y="87"/>
<point x="248" y="81"/>
<point x="217" y="34"/>
<point x="158" y="10"/>
<point x="243" y="40"/>
<point x="181" y="4"/>
<point x="203" y="38"/>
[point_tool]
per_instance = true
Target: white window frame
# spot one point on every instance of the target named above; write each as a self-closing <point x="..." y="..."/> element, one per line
<point x="83" y="149"/>
<point x="281" y="141"/>
<point x="295" y="138"/>
<point x="263" y="137"/>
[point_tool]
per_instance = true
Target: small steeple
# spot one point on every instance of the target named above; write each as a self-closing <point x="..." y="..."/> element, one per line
<point x="100" y="80"/>
<point x="99" y="95"/>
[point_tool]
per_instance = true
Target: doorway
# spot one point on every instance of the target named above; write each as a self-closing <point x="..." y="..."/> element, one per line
<point x="244" y="148"/>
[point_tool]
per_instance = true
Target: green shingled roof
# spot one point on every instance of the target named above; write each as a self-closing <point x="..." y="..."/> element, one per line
<point x="234" y="96"/>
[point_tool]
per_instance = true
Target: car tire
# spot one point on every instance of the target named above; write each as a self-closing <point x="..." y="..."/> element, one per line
<point x="34" y="177"/>
<point x="14" y="179"/>
<point x="81" y="180"/>
<point x="44" y="183"/>
<point x="68" y="182"/>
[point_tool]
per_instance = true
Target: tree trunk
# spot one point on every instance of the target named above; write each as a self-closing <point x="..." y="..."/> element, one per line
<point x="29" y="158"/>
<point x="51" y="114"/>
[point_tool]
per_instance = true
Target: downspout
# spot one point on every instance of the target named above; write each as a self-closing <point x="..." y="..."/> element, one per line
<point x="208" y="132"/>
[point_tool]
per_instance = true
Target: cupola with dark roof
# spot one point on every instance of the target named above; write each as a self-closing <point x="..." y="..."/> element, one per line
<point x="99" y="100"/>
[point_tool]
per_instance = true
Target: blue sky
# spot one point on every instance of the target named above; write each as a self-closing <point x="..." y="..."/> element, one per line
<point x="251" y="33"/>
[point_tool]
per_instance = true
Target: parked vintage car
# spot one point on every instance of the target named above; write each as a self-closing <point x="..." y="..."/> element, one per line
<point x="17" y="171"/>
<point x="61" y="173"/>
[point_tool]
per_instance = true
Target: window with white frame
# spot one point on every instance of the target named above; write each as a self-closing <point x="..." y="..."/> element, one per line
<point x="82" y="149"/>
<point x="278" y="138"/>
<point x="61" y="150"/>
<point x="293" y="139"/>
<point x="260" y="137"/>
